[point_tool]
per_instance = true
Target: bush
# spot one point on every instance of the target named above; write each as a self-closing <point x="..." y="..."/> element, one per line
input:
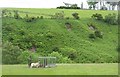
<point x="60" y="58"/>
<point x="97" y="16"/>
<point x="29" y="19"/>
<point x="59" y="15"/>
<point x="111" y="19"/>
<point x="69" y="52"/>
<point x="75" y="15"/>
<point x="98" y="34"/>
<point x="41" y="17"/>
<point x="67" y="17"/>
<point x="92" y="36"/>
<point x="10" y="53"/>
<point x="23" y="58"/>
<point x="57" y="55"/>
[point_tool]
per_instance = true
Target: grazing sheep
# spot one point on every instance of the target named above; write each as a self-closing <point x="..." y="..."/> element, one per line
<point x="35" y="65"/>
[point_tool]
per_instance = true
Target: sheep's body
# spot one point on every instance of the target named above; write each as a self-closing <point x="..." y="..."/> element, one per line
<point x="35" y="65"/>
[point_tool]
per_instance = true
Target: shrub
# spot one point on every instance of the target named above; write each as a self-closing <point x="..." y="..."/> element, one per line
<point x="97" y="16"/>
<point x="67" y="17"/>
<point x="111" y="19"/>
<point x="29" y="19"/>
<point x="69" y="52"/>
<point x="92" y="36"/>
<point x="98" y="34"/>
<point x="57" y="55"/>
<point x="59" y="15"/>
<point x="55" y="49"/>
<point x="60" y="58"/>
<point x="23" y="58"/>
<point x="75" y="15"/>
<point x="41" y="17"/>
<point x="10" y="53"/>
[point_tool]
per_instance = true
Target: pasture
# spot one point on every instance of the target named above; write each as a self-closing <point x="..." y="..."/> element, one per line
<point x="63" y="69"/>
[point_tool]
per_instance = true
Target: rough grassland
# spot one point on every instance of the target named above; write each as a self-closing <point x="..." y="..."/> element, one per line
<point x="63" y="69"/>
<point x="99" y="50"/>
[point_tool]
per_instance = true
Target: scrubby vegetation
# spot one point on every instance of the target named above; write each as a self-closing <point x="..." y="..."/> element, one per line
<point x="69" y="40"/>
<point x="110" y="18"/>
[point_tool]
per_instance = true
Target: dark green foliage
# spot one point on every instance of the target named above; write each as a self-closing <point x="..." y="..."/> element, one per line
<point x="56" y="49"/>
<point x="92" y="36"/>
<point x="97" y="16"/>
<point x="111" y="19"/>
<point x="10" y="53"/>
<point x="41" y="17"/>
<point x="98" y="34"/>
<point x="75" y="15"/>
<point x="23" y="58"/>
<point x="60" y="58"/>
<point x="6" y="13"/>
<point x="29" y="19"/>
<point x="48" y="35"/>
<point x="67" y="18"/>
<point x="69" y="52"/>
<point x="64" y="7"/>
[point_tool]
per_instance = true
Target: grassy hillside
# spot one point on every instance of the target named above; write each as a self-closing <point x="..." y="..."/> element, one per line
<point x="49" y="35"/>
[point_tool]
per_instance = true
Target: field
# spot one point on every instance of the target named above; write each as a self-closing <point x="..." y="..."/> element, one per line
<point x="63" y="69"/>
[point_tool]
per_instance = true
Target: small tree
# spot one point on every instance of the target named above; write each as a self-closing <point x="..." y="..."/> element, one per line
<point x="75" y="15"/>
<point x="10" y="53"/>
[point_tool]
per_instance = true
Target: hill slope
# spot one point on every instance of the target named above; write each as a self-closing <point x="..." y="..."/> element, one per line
<point x="47" y="35"/>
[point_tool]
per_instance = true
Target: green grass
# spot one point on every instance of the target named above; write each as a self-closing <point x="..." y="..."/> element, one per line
<point x="99" y="50"/>
<point x="63" y="69"/>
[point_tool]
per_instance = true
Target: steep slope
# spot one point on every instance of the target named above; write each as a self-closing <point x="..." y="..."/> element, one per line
<point x="49" y="35"/>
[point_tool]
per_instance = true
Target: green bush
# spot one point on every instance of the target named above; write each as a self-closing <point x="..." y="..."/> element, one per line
<point x="57" y="55"/>
<point x="41" y="17"/>
<point x="29" y="19"/>
<point x="111" y="19"/>
<point x="97" y="16"/>
<point x="23" y="58"/>
<point x="69" y="52"/>
<point x="10" y="53"/>
<point x="75" y="15"/>
<point x="92" y="36"/>
<point x="59" y="15"/>
<point x="98" y="34"/>
<point x="60" y="58"/>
